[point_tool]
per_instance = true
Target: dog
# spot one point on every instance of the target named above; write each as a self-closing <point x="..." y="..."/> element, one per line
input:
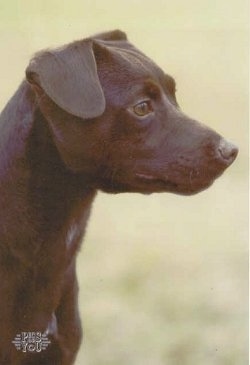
<point x="96" y="114"/>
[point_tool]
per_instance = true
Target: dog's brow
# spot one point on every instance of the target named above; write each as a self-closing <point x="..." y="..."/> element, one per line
<point x="152" y="89"/>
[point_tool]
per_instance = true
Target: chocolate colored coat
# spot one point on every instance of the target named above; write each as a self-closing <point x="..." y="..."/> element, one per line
<point x="94" y="114"/>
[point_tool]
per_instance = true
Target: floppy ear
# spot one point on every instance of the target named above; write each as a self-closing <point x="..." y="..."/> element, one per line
<point x="68" y="75"/>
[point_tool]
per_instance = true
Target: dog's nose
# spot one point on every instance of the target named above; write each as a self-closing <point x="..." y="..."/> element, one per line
<point x="227" y="151"/>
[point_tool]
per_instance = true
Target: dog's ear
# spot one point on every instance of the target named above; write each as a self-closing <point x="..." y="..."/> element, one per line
<point x="68" y="75"/>
<point x="114" y="35"/>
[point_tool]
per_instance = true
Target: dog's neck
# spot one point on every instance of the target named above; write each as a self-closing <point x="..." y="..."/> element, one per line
<point x="40" y="191"/>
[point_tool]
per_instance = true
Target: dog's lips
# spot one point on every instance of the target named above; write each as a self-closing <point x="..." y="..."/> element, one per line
<point x="162" y="181"/>
<point x="145" y="177"/>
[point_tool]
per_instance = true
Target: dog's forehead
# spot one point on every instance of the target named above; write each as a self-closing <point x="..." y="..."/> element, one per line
<point x="129" y="59"/>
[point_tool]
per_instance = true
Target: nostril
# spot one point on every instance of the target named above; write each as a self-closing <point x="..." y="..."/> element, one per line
<point x="227" y="150"/>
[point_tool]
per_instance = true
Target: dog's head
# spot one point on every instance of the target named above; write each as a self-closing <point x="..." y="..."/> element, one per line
<point x="115" y="119"/>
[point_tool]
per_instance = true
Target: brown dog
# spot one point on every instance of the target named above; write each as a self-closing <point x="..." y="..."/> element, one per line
<point x="94" y="114"/>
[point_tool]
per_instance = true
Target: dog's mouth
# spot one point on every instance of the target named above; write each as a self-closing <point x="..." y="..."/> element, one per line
<point x="152" y="183"/>
<point x="177" y="179"/>
<point x="140" y="183"/>
<point x="160" y="181"/>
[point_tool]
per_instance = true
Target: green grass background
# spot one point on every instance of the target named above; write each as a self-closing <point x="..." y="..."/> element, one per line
<point x="163" y="279"/>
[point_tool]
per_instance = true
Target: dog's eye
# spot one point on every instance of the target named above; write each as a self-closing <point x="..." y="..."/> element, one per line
<point x="143" y="108"/>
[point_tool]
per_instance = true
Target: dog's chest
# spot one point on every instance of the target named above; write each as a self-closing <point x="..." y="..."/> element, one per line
<point x="75" y="227"/>
<point x="73" y="235"/>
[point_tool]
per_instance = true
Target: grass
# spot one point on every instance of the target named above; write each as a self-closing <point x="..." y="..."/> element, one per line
<point x="168" y="286"/>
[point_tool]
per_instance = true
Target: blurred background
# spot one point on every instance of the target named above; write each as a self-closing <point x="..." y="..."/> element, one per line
<point x="163" y="278"/>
